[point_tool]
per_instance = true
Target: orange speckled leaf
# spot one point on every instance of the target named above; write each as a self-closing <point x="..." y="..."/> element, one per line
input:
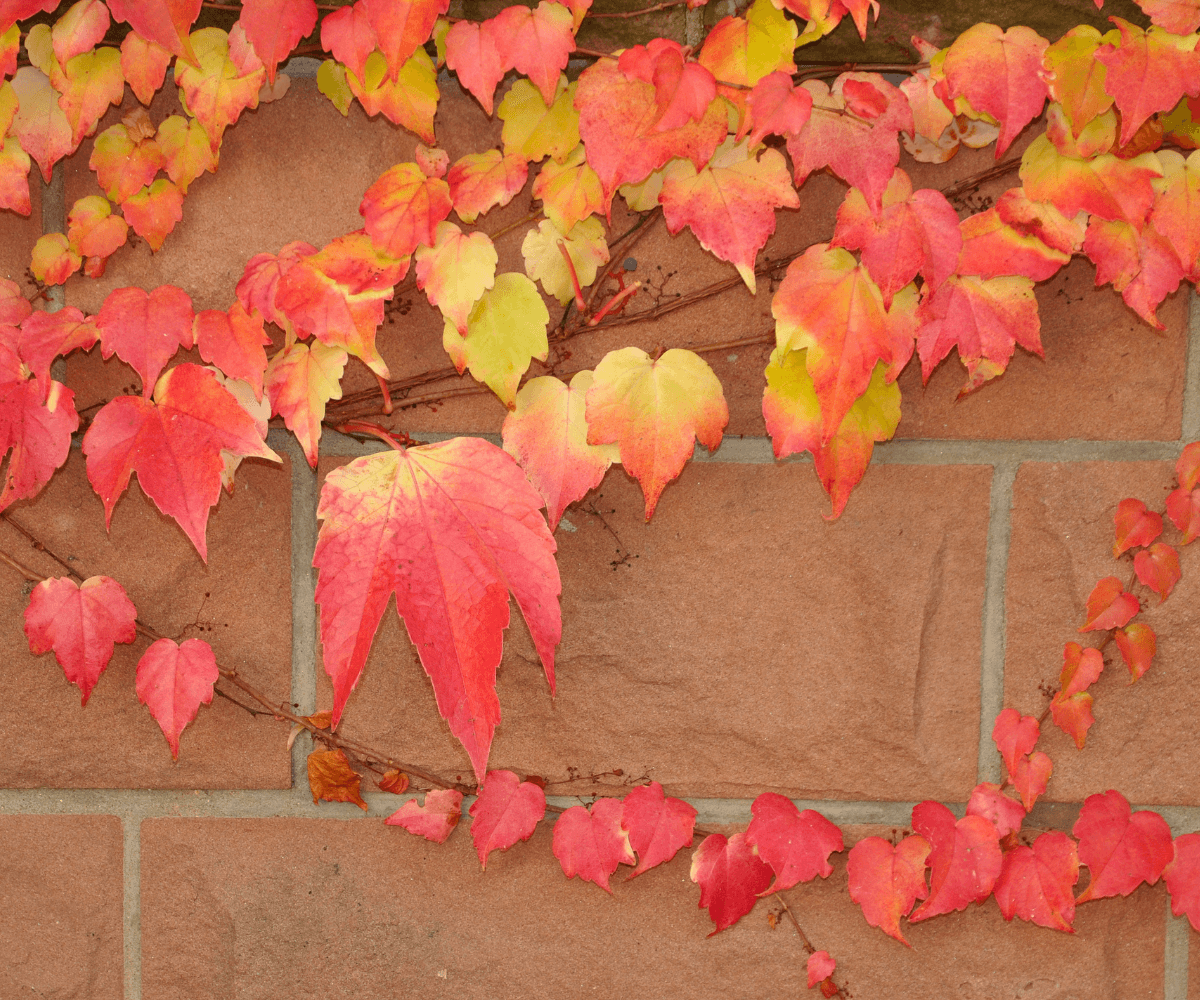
<point x="451" y="528"/>
<point x="154" y="211"/>
<point x="547" y="434"/>
<point x="885" y="880"/>
<point x="1108" y="606"/>
<point x="730" y="204"/>
<point x="40" y="124"/>
<point x="1041" y="219"/>
<point x="330" y="777"/>
<point x="1158" y="568"/>
<point x="165" y="22"/>
<point x="455" y="271"/>
<point x="91" y="83"/>
<point x="402" y="209"/>
<point x="299" y="381"/>
<point x="1122" y="849"/>
<point x="274" y="27"/>
<point x="1148" y="71"/>
<point x="1106" y="186"/>
<point x="481" y="181"/>
<point x="234" y="341"/>
<point x="435" y="820"/>
<point x="590" y="842"/>
<point x="144" y="65"/>
<point x="654" y="410"/>
<point x="742" y="50"/>
<point x="1135" y="525"/>
<point x="1138" y="645"/>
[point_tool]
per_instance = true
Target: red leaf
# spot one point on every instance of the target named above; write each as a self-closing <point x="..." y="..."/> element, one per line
<point x="12" y="11"/>
<point x="990" y="247"/>
<point x="507" y="810"/>
<point x="348" y="34"/>
<point x="1108" y="606"/>
<point x="402" y="26"/>
<point x="233" y="341"/>
<point x="658" y="825"/>
<point x="166" y="22"/>
<point x="1035" y="882"/>
<point x="1104" y="185"/>
<point x="1183" y="507"/>
<point x="174" y="444"/>
<point x="775" y="107"/>
<point x="1122" y="850"/>
<point x="144" y="330"/>
<point x="731" y="878"/>
<point x="988" y="802"/>
<point x="481" y="181"/>
<point x="451" y="528"/>
<point x="1137" y="645"/>
<point x="1040" y="219"/>
<point x="885" y="881"/>
<point x="472" y="53"/>
<point x="964" y="859"/>
<point x="1031" y="777"/>
<point x="403" y="207"/>
<point x="80" y="622"/>
<point x="39" y="433"/>
<point x="1073" y="715"/>
<point x="45" y="335"/>
<point x="1187" y="466"/>
<point x="14" y="307"/>
<point x="1158" y="568"/>
<point x="435" y="820"/>
<point x="260" y="279"/>
<point x="331" y="778"/>
<point x="591" y="843"/>
<point x="1135" y="526"/>
<point x="820" y="967"/>
<point x="144" y="65"/>
<point x="174" y="681"/>
<point x="795" y="844"/>
<point x="1081" y="667"/>
<point x="682" y="90"/>
<point x="274" y="27"/>
<point x="536" y="42"/>
<point x="1182" y="876"/>
<point x="1015" y="736"/>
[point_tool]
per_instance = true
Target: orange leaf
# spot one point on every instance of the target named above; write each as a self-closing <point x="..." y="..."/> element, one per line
<point x="153" y="211"/>
<point x="1108" y="606"/>
<point x="123" y="166"/>
<point x="274" y="27"/>
<point x="92" y="228"/>
<point x="165" y="22"/>
<point x="1073" y="715"/>
<point x="885" y="880"/>
<point x="402" y="26"/>
<point x="1081" y="668"/>
<point x="1176" y="212"/>
<point x="403" y="207"/>
<point x="1031" y="777"/>
<point x="144" y="65"/>
<point x="299" y="381"/>
<point x="1137" y="645"/>
<point x="481" y="181"/>
<point x="233" y="341"/>
<point x="1158" y="568"/>
<point x="348" y="34"/>
<point x="991" y="247"/>
<point x="1183" y="507"/>
<point x="330" y="777"/>
<point x="39" y="124"/>
<point x="964" y="859"/>
<point x="472" y="52"/>
<point x="1135" y="526"/>
<point x="145" y="329"/>
<point x="393" y="781"/>
<point x="1148" y="71"/>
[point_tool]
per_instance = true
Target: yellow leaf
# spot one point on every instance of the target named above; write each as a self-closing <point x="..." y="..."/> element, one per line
<point x="569" y="191"/>
<point x="456" y="271"/>
<point x="744" y="51"/>
<point x="644" y="197"/>
<point x="331" y="81"/>
<point x="544" y="261"/>
<point x="535" y="131"/>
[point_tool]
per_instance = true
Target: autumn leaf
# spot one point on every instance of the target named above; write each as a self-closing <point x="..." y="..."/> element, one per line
<point x="330" y="777"/>
<point x="989" y="802"/>
<point x="14" y="176"/>
<point x="144" y="329"/>
<point x="402" y="26"/>
<point x="81" y="623"/>
<point x="1036" y="882"/>
<point x="1105" y="185"/>
<point x="964" y="859"/>
<point x="348" y="34"/>
<point x="534" y="129"/>
<point x="795" y="844"/>
<point x="1121" y="849"/>
<point x="569" y="191"/>
<point x="775" y="107"/>
<point x="275" y="27"/>
<point x="435" y="820"/>
<point x="225" y="80"/>
<point x="683" y="90"/>
<point x="731" y="878"/>
<point x="506" y="810"/>
<point x="653" y="410"/>
<point x="472" y="52"/>
<point x="12" y="11"/>
<point x="124" y="166"/>
<point x="174" y="444"/>
<point x="14" y="307"/>
<point x="299" y="381"/>
<point x="743" y="50"/>
<point x="1015" y="736"/>
<point x="89" y="84"/>
<point x="1108" y="606"/>
<point x="480" y="182"/>
<point x="536" y="42"/>
<point x="1135" y="525"/>
<point x="1183" y="508"/>
<point x="37" y="427"/>
<point x="165" y="22"/>
<point x="233" y="340"/>
<point x="144" y="65"/>
<point x="586" y="244"/>
<point x="1176" y="212"/>
<point x="1158" y="569"/>
<point x="657" y="825"/>
<point x="260" y="281"/>
<point x="590" y="842"/>
<point x="410" y="100"/>
<point x="40" y="125"/>
<point x="451" y="528"/>
<point x="53" y="260"/>
<point x="455" y="271"/>
<point x="991" y="247"/>
<point x="1075" y="78"/>
<point x="92" y="229"/>
<point x="1042" y="220"/>
<point x="1138" y="645"/>
<point x="820" y="967"/>
<point x="1182" y="876"/>
<point x="154" y="211"/>
<point x="1081" y="668"/>
<point x="393" y="781"/>
<point x="403" y="208"/>
<point x="173" y="681"/>
<point x="885" y="880"/>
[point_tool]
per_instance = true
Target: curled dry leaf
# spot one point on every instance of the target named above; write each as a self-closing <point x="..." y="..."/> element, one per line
<point x="330" y="777"/>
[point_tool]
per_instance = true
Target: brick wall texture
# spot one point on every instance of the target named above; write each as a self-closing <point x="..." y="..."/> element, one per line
<point x="738" y="643"/>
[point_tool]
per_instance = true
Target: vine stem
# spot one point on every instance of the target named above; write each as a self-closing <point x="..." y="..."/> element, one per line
<point x="808" y="945"/>
<point x="639" y="13"/>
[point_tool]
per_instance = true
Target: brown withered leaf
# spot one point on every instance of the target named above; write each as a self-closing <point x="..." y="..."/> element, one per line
<point x="321" y="719"/>
<point x="330" y="777"/>
<point x="393" y="781"/>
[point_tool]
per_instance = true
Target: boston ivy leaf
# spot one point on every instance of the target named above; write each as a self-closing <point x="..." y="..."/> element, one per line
<point x="299" y="381"/>
<point x="1176" y="212"/>
<point x="775" y="107"/>
<point x="534" y="129"/>
<point x="536" y="42"/>
<point x="225" y="80"/>
<point x="14" y="177"/>
<point x="1036" y="882"/>
<point x="35" y="424"/>
<point x="1136" y="525"/>
<point x="53" y="260"/>
<point x="795" y="844"/>
<point x="154" y="211"/>
<point x="274" y="27"/>
<point x="481" y="181"/>
<point x="1158" y="568"/>
<point x="348" y="34"/>
<point x="40" y="125"/>
<point x="331" y="778"/>
<point x="44" y="336"/>
<point x="260" y="281"/>
<point x="472" y="53"/>
<point x="403" y="208"/>
<point x="434" y="820"/>
<point x="586" y="244"/>
<point x="991" y="247"/>
<point x="233" y="340"/>
<point x="964" y="859"/>
<point x="144" y="65"/>
<point x="1182" y="876"/>
<point x="885" y="880"/>
<point x="506" y="810"/>
<point x="1183" y="508"/>
<point x="1108" y="606"/>
<point x="569" y="191"/>
<point x="657" y="824"/>
<point x="731" y="878"/>
<point x="145" y="329"/>
<point x="1076" y="78"/>
<point x="742" y="50"/>
<point x="1138" y="645"/>
<point x="165" y="22"/>
<point x="402" y="26"/>
<point x="455" y="271"/>
<point x="410" y="100"/>
<point x="186" y="150"/>
<point x="173" y="681"/>
<point x="1122" y="849"/>
<point x="92" y="229"/>
<point x="590" y="842"/>
<point x="1105" y="185"/>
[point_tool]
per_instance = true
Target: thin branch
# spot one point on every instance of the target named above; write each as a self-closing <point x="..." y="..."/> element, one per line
<point x="808" y="945"/>
<point x="639" y="13"/>
<point x="1007" y="167"/>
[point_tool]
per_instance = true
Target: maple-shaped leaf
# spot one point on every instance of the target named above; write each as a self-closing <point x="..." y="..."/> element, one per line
<point x="590" y="842"/>
<point x="260" y="280"/>
<point x="999" y="72"/>
<point x="1158" y="568"/>
<point x="862" y="149"/>
<point x="173" y="681"/>
<point x="274" y="27"/>
<point x="154" y="211"/>
<point x="435" y="820"/>
<point x="348" y="34"/>
<point x="546" y="432"/>
<point x="536" y="42"/>
<point x="506" y="328"/>
<point x="617" y="116"/>
<point x="990" y="803"/>
<point x="402" y="26"/>
<point x="1138" y="645"/>
<point x="410" y="100"/>
<point x="1075" y="78"/>
<point x="742" y="50"/>
<point x="1015" y="736"/>
<point x="299" y="381"/>
<point x="1183" y="508"/>
<point x="729" y="204"/>
<point x="586" y="244"/>
<point x="44" y="336"/>
<point x="331" y="778"/>
<point x="731" y="877"/>
<point x="93" y="230"/>
<point x="654" y="410"/>
<point x="481" y="181"/>
<point x="402" y="209"/>
<point x="985" y="319"/>
<point x="569" y="191"/>
<point x="225" y="81"/>
<point x="455" y="271"/>
<point x="1108" y="606"/>
<point x="52" y="260"/>
<point x="338" y="293"/>
<point x="14" y="176"/>
<point x="1121" y="849"/>
<point x="1182" y="876"/>
<point x="506" y="810"/>
<point x="145" y="329"/>
<point x="88" y="85"/>
<point x="795" y="844"/>
<point x="1176" y="212"/>
<point x="1042" y="220"/>
<point x="1104" y="185"/>
<point x="472" y="52"/>
<point x="1135" y="525"/>
<point x="1036" y="882"/>
<point x="80" y="622"/>
<point x="1148" y="71"/>
<point x="534" y="129"/>
<point x="657" y="824"/>
<point x="991" y="247"/>
<point x="964" y="859"/>
<point x="174" y="444"/>
<point x="40" y="124"/>
<point x="794" y="419"/>
<point x="123" y="165"/>
<point x="775" y="107"/>
<point x="451" y="528"/>
<point x="885" y="880"/>
<point x="165" y="22"/>
<point x="37" y="426"/>
<point x="144" y="65"/>
<point x="915" y="233"/>
<point x="233" y="340"/>
<point x="820" y="967"/>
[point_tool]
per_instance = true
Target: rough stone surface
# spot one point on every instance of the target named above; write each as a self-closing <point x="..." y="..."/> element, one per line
<point x="18" y="234"/>
<point x="1142" y="742"/>
<point x="737" y="643"/>
<point x="60" y="889"/>
<point x="240" y="603"/>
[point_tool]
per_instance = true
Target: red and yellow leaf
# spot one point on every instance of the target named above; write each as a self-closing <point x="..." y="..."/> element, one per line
<point x="742" y="50"/>
<point x="569" y="191"/>
<point x="153" y="211"/>
<point x="472" y="52"/>
<point x="52" y="260"/>
<point x="1148" y="71"/>
<point x="165" y="22"/>
<point x="299" y="381"/>
<point x="481" y="181"/>
<point x="534" y="129"/>
<point x="506" y="810"/>
<point x="1135" y="525"/>
<point x="274" y="27"/>
<point x="92" y="228"/>
<point x="403" y="208"/>
<point x="144" y="65"/>
<point x="410" y="100"/>
<point x="123" y="165"/>
<point x="1104" y="185"/>
<point x="40" y="124"/>
<point x="145" y="329"/>
<point x="402" y="26"/>
<point x="173" y="681"/>
<point x="234" y="341"/>
<point x="455" y="270"/>
<point x="260" y="281"/>
<point x="348" y="34"/>
<point x="225" y="81"/>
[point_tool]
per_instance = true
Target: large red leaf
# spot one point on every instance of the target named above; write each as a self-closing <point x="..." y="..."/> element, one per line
<point x="964" y="859"/>
<point x="233" y="341"/>
<point x="1158" y="568"/>
<point x="80" y="622"/>
<point x="434" y="820"/>
<point x="145" y="329"/>
<point x="885" y="880"/>
<point x="731" y="878"/>
<point x="46" y="335"/>
<point x="38" y="429"/>
<point x="507" y="810"/>
<point x="591" y="843"/>
<point x="174" y="445"/>
<point x="274" y="27"/>
<point x="658" y="825"/>
<point x="173" y="681"/>
<point x="1004" y="813"/>
<point x="260" y="280"/>
<point x="1035" y="882"/>
<point x="451" y="528"/>
<point x="1121" y="849"/>
<point x="795" y="844"/>
<point x="402" y="209"/>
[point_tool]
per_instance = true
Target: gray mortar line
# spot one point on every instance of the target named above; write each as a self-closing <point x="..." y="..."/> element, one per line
<point x="1175" y="956"/>
<point x="994" y="625"/>
<point x="131" y="825"/>
<point x="693" y="27"/>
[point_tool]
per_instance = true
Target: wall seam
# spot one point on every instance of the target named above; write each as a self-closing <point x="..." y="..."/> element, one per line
<point x="994" y="636"/>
